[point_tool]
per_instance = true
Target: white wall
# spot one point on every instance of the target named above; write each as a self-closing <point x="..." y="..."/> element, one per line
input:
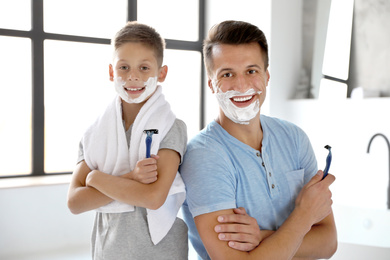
<point x="359" y="192"/>
<point x="35" y="223"/>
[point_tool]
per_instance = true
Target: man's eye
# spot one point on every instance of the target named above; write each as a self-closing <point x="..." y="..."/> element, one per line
<point x="227" y="75"/>
<point x="252" y="71"/>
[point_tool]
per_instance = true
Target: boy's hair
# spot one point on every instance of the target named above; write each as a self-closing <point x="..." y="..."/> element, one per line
<point x="233" y="32"/>
<point x="141" y="33"/>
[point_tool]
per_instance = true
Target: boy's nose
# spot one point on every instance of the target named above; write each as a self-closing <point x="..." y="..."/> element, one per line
<point x="133" y="76"/>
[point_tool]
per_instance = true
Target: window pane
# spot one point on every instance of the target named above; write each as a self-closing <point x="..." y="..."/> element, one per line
<point x="182" y="86"/>
<point x="15" y="106"/>
<point x="332" y="90"/>
<point x="338" y="40"/>
<point x="173" y="19"/>
<point x="77" y="88"/>
<point x="257" y="12"/>
<point x="15" y="14"/>
<point x="93" y="18"/>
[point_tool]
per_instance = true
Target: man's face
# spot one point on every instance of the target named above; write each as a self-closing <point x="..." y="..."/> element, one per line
<point x="239" y="68"/>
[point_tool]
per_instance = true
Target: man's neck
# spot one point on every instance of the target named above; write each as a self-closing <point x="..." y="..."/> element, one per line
<point x="250" y="134"/>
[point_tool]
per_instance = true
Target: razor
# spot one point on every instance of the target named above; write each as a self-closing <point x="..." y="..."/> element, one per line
<point x="148" y="141"/>
<point x="328" y="161"/>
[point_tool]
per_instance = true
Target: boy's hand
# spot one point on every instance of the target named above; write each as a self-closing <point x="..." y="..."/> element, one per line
<point x="145" y="170"/>
<point x="241" y="230"/>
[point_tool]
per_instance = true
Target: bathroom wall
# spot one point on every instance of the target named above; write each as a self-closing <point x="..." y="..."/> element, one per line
<point x="359" y="193"/>
<point x="35" y="223"/>
<point x="370" y="52"/>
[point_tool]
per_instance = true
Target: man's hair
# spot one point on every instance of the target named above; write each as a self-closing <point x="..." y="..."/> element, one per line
<point x="141" y="33"/>
<point x="235" y="33"/>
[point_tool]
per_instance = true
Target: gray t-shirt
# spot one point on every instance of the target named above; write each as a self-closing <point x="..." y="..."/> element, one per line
<point x="126" y="235"/>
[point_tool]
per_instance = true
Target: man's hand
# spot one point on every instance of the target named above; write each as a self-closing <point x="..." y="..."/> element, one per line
<point x="145" y="170"/>
<point x="315" y="198"/>
<point x="240" y="230"/>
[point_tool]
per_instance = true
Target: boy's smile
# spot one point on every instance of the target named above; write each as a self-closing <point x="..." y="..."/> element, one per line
<point x="135" y="64"/>
<point x="134" y="90"/>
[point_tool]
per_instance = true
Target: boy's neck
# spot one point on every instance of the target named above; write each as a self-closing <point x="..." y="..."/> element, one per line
<point x="130" y="112"/>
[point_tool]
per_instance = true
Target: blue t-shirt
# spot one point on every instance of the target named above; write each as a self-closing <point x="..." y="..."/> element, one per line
<point x="220" y="172"/>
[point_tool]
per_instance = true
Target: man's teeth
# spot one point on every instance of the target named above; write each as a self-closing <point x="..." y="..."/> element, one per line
<point x="242" y="99"/>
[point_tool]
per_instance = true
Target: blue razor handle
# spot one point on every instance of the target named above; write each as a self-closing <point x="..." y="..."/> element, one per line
<point x="148" y="140"/>
<point x="328" y="161"/>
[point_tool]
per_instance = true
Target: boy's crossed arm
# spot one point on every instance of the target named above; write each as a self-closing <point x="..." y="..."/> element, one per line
<point x="141" y="187"/>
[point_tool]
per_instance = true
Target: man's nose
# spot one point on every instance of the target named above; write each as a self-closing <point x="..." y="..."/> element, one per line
<point x="242" y="83"/>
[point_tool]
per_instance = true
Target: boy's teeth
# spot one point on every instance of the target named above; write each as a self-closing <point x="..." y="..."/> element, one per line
<point x="133" y="89"/>
<point x="242" y="99"/>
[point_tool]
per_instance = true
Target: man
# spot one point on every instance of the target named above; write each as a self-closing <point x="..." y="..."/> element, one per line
<point x="260" y="164"/>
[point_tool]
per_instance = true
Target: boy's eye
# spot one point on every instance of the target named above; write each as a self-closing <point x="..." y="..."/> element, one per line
<point x="144" y="68"/>
<point x="123" y="67"/>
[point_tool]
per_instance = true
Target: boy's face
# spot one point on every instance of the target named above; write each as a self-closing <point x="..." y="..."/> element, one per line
<point x="239" y="68"/>
<point x="135" y="63"/>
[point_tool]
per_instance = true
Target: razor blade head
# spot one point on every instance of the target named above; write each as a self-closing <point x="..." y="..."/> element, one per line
<point x="151" y="131"/>
<point x="327" y="147"/>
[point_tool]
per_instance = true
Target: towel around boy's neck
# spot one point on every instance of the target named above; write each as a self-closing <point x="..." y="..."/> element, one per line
<point x="105" y="149"/>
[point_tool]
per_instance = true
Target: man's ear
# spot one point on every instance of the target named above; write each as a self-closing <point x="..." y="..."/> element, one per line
<point x="210" y="83"/>
<point x="111" y="72"/>
<point x="162" y="73"/>
<point x="268" y="76"/>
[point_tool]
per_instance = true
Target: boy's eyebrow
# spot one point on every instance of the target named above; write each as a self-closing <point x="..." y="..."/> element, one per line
<point x="125" y="60"/>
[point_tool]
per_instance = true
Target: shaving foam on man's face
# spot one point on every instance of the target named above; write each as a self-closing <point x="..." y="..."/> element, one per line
<point x="242" y="114"/>
<point x="146" y="89"/>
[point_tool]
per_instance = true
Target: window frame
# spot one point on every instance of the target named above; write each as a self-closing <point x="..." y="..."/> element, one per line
<point x="37" y="35"/>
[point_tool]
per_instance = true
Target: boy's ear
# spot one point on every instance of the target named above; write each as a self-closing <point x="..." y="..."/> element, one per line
<point x="111" y="72"/>
<point x="162" y="73"/>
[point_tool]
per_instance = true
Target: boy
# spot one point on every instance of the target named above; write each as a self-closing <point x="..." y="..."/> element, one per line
<point x="136" y="198"/>
<point x="250" y="161"/>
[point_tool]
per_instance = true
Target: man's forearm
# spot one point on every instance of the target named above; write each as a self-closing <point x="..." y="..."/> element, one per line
<point x="320" y="241"/>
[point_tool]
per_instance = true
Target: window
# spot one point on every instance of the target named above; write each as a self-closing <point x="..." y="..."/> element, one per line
<point x="54" y="73"/>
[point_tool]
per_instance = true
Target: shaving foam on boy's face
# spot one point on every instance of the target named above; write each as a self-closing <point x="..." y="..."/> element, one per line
<point x="129" y="94"/>
<point x="239" y="115"/>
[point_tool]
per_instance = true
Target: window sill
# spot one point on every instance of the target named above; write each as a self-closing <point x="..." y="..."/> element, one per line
<point x="34" y="181"/>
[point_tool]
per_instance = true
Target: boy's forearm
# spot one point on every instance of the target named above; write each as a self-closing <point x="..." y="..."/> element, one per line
<point x="122" y="189"/>
<point x="84" y="198"/>
<point x="126" y="190"/>
<point x="80" y="197"/>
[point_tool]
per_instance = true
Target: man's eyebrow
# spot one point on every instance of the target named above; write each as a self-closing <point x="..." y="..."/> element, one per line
<point x="224" y="70"/>
<point x="254" y="66"/>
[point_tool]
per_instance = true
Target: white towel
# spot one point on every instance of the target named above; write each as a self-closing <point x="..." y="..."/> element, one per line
<point x="105" y="149"/>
